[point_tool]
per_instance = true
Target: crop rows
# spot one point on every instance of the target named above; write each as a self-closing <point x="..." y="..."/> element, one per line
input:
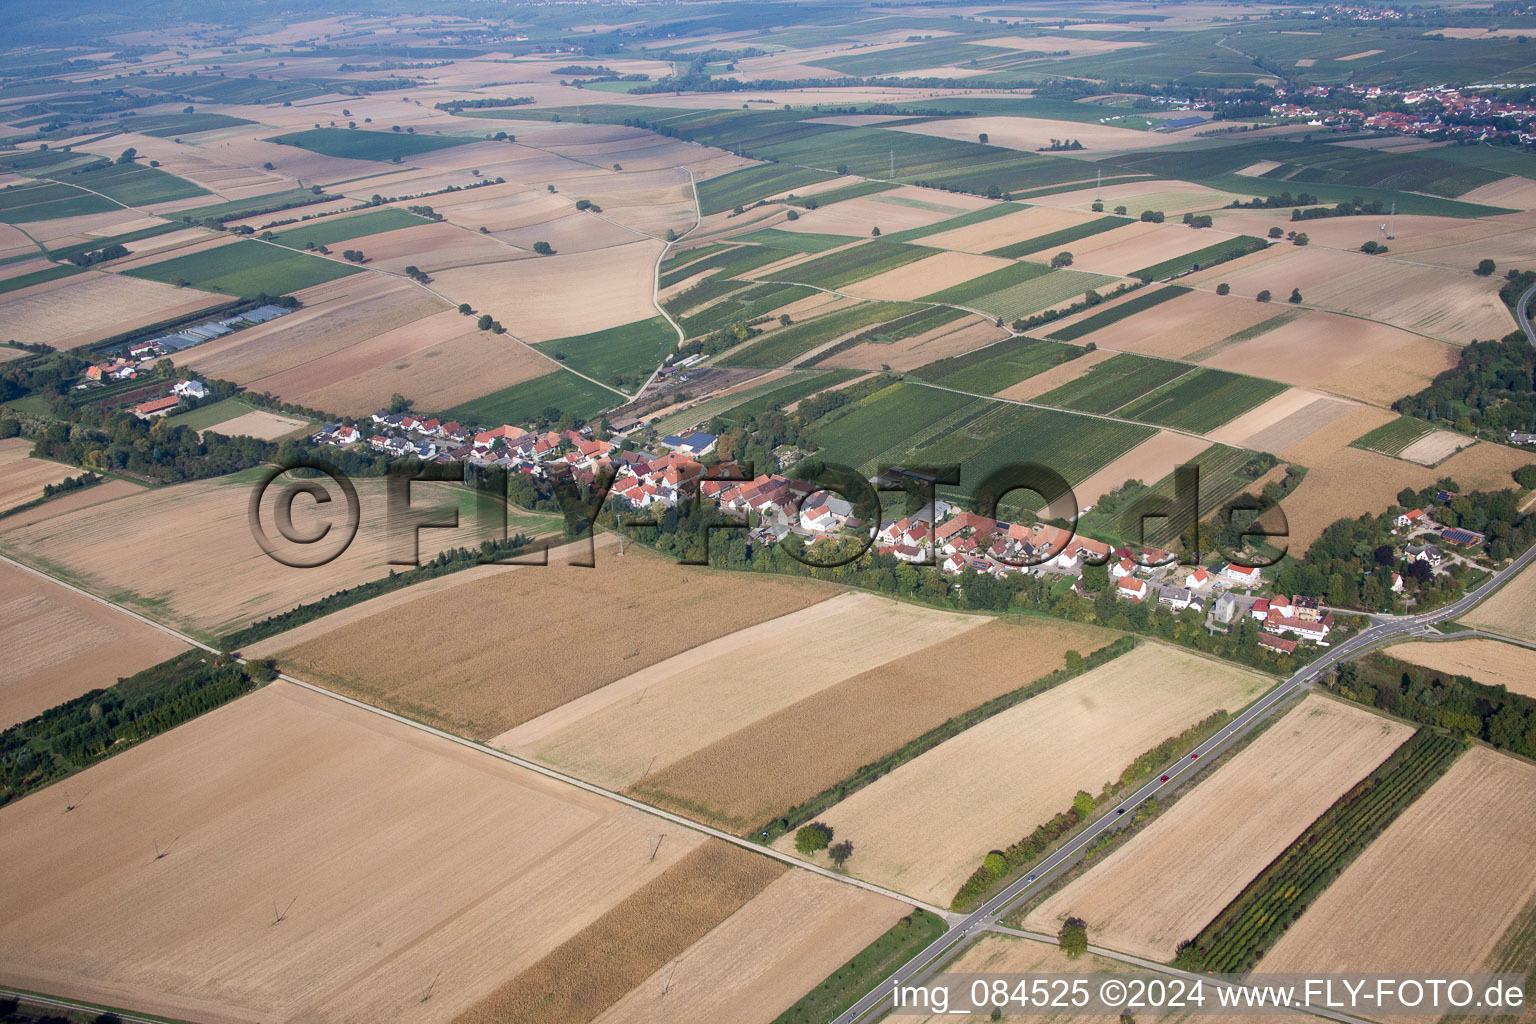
<point x="883" y="420"/>
<point x="1111" y="384"/>
<point x="1056" y="239"/>
<point x="680" y="259"/>
<point x="987" y="371"/>
<point x="1114" y="314"/>
<point x="744" y="306"/>
<point x="1243" y="931"/>
<point x="1202" y="400"/>
<point x="846" y="266"/>
<point x="986" y="213"/>
<point x="750" y="184"/>
<point x="726" y="263"/>
<point x="796" y="241"/>
<point x="923" y="320"/>
<point x="1221" y="252"/>
<point x="1392" y="437"/>
<point x="787" y="344"/>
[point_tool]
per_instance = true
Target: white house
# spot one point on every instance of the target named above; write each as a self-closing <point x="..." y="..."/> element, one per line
<point x="1199" y="578"/>
<point x="189" y="388"/>
<point x="1248" y="576"/>
<point x="1132" y="589"/>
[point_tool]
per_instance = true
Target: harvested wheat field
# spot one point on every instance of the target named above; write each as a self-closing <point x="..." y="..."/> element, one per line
<point x="108" y="490"/>
<point x="1032" y="133"/>
<point x="99" y="305"/>
<point x="782" y="759"/>
<point x="1178" y="873"/>
<point x="1509" y="610"/>
<point x="953" y="339"/>
<point x="1056" y="376"/>
<point x="925" y="827"/>
<point x="762" y="958"/>
<point x="1343" y="481"/>
<point x="60" y="644"/>
<point x="1007" y="229"/>
<point x="638" y="936"/>
<point x="925" y="275"/>
<point x="1437" y="889"/>
<point x="1171" y="197"/>
<point x="1282" y="422"/>
<point x="336" y="317"/>
<point x="1435" y="447"/>
<point x="1487" y="661"/>
<point x="1328" y="352"/>
<point x="267" y="426"/>
<point x="658" y="715"/>
<point x="431" y="247"/>
<point x="570" y="231"/>
<point x="1148" y="462"/>
<point x="213" y="577"/>
<point x="394" y="858"/>
<point x="1004" y="954"/>
<point x="448" y="676"/>
<point x="438" y="361"/>
<point x="557" y="296"/>
<point x="1127" y="249"/>
<point x="1179" y="328"/>
<point x="857" y="217"/>
<point x="22" y="478"/>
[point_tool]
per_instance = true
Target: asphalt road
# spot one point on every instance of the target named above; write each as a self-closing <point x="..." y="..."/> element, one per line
<point x="1520" y="313"/>
<point x="983" y="918"/>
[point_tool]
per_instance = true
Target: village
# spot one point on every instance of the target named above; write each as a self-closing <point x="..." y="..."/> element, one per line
<point x="672" y="470"/>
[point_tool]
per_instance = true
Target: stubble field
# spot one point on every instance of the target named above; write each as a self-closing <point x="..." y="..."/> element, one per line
<point x="789" y="756"/>
<point x="60" y="644"/>
<point x="578" y="629"/>
<point x="926" y="826"/>
<point x="395" y="861"/>
<point x="22" y="477"/>
<point x="1173" y="877"/>
<point x="215" y="577"/>
<point x="1437" y="890"/>
<point x="1508" y="611"/>
<point x="658" y="715"/>
<point x="1488" y="661"/>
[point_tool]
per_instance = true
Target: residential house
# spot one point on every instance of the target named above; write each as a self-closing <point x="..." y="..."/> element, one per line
<point x="1132" y="589"/>
<point x="1199" y="578"/>
<point x="156" y="407"/>
<point x="1176" y="598"/>
<point x="1424" y="553"/>
<point x="190" y="388"/>
<point x="1410" y="519"/>
<point x="1277" y="643"/>
<point x="1225" y="609"/>
<point x="1244" y="575"/>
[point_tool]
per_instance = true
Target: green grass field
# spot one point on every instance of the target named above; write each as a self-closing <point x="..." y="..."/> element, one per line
<point x="795" y="241"/>
<point x="786" y="344"/>
<point x="211" y="415"/>
<point x="1202" y="400"/>
<point x="166" y="126"/>
<point x="1118" y="380"/>
<point x="1019" y="290"/>
<point x="1058" y="240"/>
<point x="785" y="393"/>
<point x="846" y="266"/>
<point x="686" y="256"/>
<point x="330" y="230"/>
<point x="1228" y="249"/>
<point x="534" y="398"/>
<point x="357" y="144"/>
<point x="748" y="185"/>
<point x="288" y="198"/>
<point x="11" y="284"/>
<point x="633" y="349"/>
<point x="1391" y="438"/>
<point x="247" y="269"/>
<point x="989" y="370"/>
<point x="1130" y="307"/>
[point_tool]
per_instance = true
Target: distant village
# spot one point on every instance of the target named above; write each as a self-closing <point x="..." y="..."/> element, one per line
<point x="1449" y="113"/>
<point x="668" y="471"/>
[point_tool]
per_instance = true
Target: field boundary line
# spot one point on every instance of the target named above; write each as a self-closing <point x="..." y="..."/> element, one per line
<point x="682" y="336"/>
<point x="533" y="766"/>
<point x="1069" y="412"/>
<point x="1129" y="958"/>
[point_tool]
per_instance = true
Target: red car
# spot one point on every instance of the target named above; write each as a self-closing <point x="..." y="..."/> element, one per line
<point x="1165" y="778"/>
<point x="1194" y="757"/>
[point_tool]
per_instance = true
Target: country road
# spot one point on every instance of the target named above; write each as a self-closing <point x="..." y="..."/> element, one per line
<point x="876" y="1001"/>
<point x="987" y="917"/>
<point x="1522" y="313"/>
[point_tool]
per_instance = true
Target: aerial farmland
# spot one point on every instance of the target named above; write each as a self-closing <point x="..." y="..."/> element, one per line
<point x="565" y="514"/>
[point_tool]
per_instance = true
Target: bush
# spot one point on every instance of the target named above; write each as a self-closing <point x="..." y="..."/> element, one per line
<point x="1223" y="289"/>
<point x="1263" y="296"/>
<point x="1073" y="937"/>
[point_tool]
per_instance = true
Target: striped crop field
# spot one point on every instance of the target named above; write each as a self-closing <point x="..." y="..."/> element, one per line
<point x="1130" y="307"/>
<point x="1113" y="383"/>
<point x="1202" y="400"/>
<point x="986" y="371"/>
<point x="1019" y="290"/>
<point x="1057" y="239"/>
<point x="1251" y="923"/>
<point x="846" y="266"/>
<point x="1393" y="437"/>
